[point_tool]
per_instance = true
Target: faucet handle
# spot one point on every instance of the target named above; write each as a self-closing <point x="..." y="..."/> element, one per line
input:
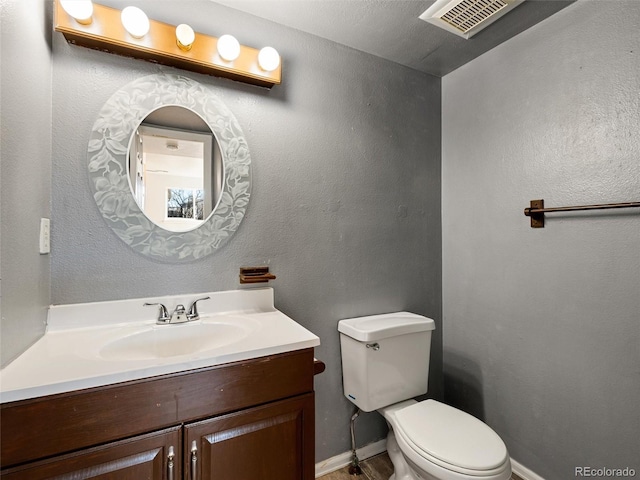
<point x="163" y="315"/>
<point x="192" y="314"/>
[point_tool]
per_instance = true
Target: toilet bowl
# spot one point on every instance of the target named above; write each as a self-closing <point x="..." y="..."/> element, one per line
<point x="385" y="363"/>
<point x="432" y="441"/>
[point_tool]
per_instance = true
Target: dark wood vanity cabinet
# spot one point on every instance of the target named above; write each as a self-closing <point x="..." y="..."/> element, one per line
<point x="266" y="442"/>
<point x="249" y="420"/>
<point x="143" y="457"/>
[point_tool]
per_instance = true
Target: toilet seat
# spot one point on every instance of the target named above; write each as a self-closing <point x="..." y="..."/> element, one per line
<point x="450" y="438"/>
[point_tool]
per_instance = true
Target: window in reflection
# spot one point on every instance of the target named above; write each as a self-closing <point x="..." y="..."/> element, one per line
<point x="185" y="203"/>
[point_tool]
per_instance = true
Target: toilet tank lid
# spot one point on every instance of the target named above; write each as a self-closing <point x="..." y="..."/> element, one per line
<point x="377" y="327"/>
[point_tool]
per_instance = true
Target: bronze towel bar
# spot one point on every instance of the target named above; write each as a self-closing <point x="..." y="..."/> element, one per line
<point x="536" y="210"/>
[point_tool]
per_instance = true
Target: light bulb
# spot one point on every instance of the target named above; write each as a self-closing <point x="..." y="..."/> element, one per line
<point x="80" y="10"/>
<point x="228" y="48"/>
<point x="185" y="36"/>
<point x="268" y="59"/>
<point x="135" y="21"/>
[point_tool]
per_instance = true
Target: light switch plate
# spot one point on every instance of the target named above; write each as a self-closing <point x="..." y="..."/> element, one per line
<point x="45" y="235"/>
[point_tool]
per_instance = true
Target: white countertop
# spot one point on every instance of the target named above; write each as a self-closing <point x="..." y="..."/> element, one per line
<point x="73" y="353"/>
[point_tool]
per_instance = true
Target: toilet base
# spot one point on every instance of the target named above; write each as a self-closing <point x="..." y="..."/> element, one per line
<point x="401" y="469"/>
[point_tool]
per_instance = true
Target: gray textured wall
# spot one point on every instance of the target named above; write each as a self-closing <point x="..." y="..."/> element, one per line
<point x="345" y="203"/>
<point x="25" y="102"/>
<point x="542" y="327"/>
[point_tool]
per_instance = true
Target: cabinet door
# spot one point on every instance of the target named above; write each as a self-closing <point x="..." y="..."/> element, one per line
<point x="271" y="442"/>
<point x="146" y="457"/>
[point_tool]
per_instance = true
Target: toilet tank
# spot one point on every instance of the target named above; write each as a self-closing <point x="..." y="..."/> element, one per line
<point x="385" y="358"/>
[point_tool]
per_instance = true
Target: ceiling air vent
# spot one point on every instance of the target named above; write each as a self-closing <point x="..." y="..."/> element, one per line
<point x="467" y="17"/>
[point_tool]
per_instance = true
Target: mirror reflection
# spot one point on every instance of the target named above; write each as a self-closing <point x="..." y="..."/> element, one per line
<point x="175" y="168"/>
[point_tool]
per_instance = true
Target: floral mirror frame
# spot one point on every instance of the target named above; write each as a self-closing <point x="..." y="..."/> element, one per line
<point x="108" y="155"/>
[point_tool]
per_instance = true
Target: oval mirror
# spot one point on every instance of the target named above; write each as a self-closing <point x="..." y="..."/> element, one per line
<point x="114" y="183"/>
<point x="175" y="168"/>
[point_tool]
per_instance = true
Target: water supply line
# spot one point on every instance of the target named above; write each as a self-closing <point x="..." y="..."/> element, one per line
<point x="354" y="468"/>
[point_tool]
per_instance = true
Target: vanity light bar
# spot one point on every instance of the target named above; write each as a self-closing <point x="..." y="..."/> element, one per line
<point x="105" y="32"/>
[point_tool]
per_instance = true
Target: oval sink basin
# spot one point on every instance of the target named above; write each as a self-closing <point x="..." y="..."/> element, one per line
<point x="161" y="341"/>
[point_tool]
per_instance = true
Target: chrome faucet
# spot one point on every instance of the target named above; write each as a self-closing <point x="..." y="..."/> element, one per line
<point x="179" y="315"/>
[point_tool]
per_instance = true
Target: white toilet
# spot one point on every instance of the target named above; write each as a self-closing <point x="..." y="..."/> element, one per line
<point x="385" y="363"/>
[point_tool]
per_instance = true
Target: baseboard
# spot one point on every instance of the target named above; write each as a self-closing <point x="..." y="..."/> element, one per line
<point x="523" y="472"/>
<point x="342" y="460"/>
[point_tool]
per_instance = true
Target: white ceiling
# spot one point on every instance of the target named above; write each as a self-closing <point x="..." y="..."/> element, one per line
<point x="391" y="29"/>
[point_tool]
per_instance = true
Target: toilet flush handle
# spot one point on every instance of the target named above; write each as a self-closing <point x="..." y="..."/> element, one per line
<point x="374" y="346"/>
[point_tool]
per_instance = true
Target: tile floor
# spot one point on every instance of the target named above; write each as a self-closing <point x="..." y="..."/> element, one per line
<point x="374" y="468"/>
